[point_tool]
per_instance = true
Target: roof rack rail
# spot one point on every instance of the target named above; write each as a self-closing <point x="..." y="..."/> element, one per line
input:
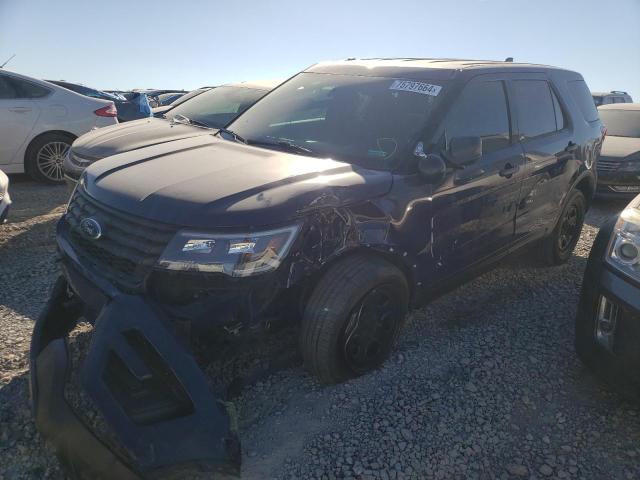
<point x="619" y="91"/>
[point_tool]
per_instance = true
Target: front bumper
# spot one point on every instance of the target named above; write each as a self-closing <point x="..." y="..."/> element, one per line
<point x="621" y="294"/>
<point x="141" y="379"/>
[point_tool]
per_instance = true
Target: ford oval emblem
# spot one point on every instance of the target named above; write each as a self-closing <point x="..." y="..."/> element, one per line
<point x="90" y="228"/>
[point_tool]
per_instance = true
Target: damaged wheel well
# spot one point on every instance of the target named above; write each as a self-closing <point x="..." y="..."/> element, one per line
<point x="588" y="188"/>
<point x="365" y="252"/>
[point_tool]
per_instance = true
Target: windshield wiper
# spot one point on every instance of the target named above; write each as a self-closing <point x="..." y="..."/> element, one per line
<point x="284" y="145"/>
<point x="187" y="121"/>
<point x="232" y="134"/>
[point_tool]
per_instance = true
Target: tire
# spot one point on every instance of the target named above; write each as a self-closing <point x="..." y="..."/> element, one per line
<point x="348" y="297"/>
<point x="557" y="248"/>
<point x="44" y="157"/>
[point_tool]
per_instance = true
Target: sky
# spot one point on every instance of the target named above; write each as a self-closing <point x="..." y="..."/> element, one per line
<point x="120" y="44"/>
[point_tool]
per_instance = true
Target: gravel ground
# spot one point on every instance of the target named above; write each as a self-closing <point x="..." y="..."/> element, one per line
<point x="483" y="384"/>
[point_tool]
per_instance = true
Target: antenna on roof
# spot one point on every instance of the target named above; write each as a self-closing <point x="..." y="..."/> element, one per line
<point x="509" y="59"/>
<point x="8" y="60"/>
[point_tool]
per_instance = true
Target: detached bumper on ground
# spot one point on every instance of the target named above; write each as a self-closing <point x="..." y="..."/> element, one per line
<point x="143" y="382"/>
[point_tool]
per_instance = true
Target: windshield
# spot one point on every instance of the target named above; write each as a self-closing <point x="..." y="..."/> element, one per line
<point x="597" y="101"/>
<point x="369" y="121"/>
<point x="621" y="123"/>
<point x="217" y="107"/>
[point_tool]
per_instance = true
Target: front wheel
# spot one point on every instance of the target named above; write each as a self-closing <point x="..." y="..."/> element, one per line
<point x="45" y="156"/>
<point x="353" y="318"/>
<point x="558" y="246"/>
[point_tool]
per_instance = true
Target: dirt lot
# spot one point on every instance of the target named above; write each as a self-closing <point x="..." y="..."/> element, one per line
<point x="483" y="384"/>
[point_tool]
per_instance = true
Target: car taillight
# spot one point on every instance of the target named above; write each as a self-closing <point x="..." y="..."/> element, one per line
<point x="107" y="111"/>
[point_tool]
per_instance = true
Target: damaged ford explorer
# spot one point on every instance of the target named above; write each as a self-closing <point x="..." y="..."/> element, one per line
<point x="352" y="192"/>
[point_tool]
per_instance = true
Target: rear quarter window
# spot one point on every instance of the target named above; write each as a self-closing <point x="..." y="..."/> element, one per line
<point x="536" y="111"/>
<point x="582" y="97"/>
<point x="30" y="90"/>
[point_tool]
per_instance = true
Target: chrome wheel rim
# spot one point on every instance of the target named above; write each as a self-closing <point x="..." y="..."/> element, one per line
<point x="49" y="160"/>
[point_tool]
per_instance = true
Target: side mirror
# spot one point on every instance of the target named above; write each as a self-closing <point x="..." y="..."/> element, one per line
<point x="432" y="168"/>
<point x="464" y="150"/>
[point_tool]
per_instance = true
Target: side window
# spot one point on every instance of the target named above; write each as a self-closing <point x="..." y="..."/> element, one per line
<point x="481" y="111"/>
<point x="7" y="90"/>
<point x="536" y="113"/>
<point x="582" y="97"/>
<point x="618" y="100"/>
<point x="560" y="123"/>
<point x="30" y="90"/>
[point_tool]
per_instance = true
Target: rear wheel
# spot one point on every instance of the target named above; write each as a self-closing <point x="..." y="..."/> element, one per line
<point x="558" y="246"/>
<point x="45" y="156"/>
<point x="353" y="318"/>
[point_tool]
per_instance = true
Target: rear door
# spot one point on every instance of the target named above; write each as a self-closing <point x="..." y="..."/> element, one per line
<point x="546" y="136"/>
<point x="474" y="216"/>
<point x="18" y="116"/>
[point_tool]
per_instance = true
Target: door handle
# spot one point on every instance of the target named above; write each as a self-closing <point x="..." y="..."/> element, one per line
<point x="509" y="170"/>
<point x="571" y="148"/>
<point x="20" y="109"/>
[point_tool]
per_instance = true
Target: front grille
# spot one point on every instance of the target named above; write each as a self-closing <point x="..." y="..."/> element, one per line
<point x="607" y="165"/>
<point x="128" y="248"/>
<point x="625" y="188"/>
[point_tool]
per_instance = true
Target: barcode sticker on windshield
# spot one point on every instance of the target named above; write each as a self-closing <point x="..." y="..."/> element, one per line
<point x="416" y="87"/>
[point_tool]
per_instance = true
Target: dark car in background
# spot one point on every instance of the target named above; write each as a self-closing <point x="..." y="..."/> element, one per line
<point x="153" y="94"/>
<point x="130" y="105"/>
<point x="159" y="111"/>
<point x="619" y="162"/>
<point x="168" y="98"/>
<point x="608" y="318"/>
<point x="606" y="98"/>
<point x="209" y="110"/>
<point x="351" y="192"/>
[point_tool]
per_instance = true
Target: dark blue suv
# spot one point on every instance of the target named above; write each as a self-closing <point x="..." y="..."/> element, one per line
<point x="348" y="194"/>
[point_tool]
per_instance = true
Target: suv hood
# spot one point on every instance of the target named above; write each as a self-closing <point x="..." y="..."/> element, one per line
<point x="208" y="182"/>
<point x="124" y="137"/>
<point x="619" y="147"/>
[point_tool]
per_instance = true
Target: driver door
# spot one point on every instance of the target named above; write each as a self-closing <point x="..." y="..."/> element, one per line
<point x="475" y="210"/>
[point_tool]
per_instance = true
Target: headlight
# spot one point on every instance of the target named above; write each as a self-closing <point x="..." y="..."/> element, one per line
<point x="78" y="160"/>
<point x="624" y="248"/>
<point x="237" y="255"/>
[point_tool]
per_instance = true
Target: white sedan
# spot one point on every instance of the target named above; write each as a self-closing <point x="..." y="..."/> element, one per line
<point x="5" y="199"/>
<point x="39" y="121"/>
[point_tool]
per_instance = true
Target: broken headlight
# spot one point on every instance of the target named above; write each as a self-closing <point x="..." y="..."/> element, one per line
<point x="237" y="255"/>
<point x="624" y="247"/>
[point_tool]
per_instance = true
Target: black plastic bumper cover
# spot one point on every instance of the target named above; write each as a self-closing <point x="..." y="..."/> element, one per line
<point x="146" y="385"/>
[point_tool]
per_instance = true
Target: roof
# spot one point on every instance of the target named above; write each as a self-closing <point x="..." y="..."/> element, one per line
<point x="604" y="94"/>
<point x="418" y="67"/>
<point x="256" y="84"/>
<point x="620" y="106"/>
<point x="442" y="63"/>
